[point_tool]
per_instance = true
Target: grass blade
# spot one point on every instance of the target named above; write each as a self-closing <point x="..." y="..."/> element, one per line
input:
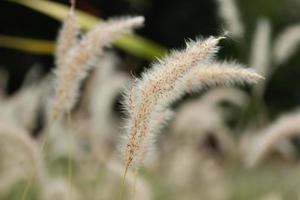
<point x="134" y="44"/>
<point x="35" y="46"/>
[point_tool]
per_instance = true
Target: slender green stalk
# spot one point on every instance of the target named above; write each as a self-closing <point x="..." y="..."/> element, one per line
<point x="30" y="45"/>
<point x="134" y="44"/>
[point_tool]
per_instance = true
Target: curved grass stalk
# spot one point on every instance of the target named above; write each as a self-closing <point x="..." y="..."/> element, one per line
<point x="30" y="45"/>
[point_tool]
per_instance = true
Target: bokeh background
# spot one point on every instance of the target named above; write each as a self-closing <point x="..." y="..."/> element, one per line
<point x="206" y="163"/>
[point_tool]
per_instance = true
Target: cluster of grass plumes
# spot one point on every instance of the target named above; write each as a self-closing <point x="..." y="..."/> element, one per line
<point x="76" y="58"/>
<point x="189" y="106"/>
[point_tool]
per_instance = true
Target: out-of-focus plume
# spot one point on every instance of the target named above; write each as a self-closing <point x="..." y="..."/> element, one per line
<point x="285" y="127"/>
<point x="260" y="48"/>
<point x="105" y="86"/>
<point x="22" y="108"/>
<point x="221" y="94"/>
<point x="195" y="174"/>
<point x="20" y="158"/>
<point x="260" y="57"/>
<point x="33" y="76"/>
<point x="58" y="189"/>
<point x="229" y="12"/>
<point x="198" y="120"/>
<point x="81" y="58"/>
<point x="286" y="44"/>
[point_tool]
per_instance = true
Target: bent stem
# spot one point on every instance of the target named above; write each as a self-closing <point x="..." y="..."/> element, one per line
<point x="123" y="183"/>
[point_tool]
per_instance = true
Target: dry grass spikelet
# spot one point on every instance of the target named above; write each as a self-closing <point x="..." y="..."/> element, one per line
<point x="67" y="37"/>
<point x="149" y="96"/>
<point x="187" y="70"/>
<point x="226" y="74"/>
<point x="286" y="126"/>
<point x="82" y="57"/>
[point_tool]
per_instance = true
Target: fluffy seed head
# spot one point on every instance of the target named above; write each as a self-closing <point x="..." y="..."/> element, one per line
<point x="225" y="74"/>
<point x="167" y="81"/>
<point x="67" y="37"/>
<point x="83" y="56"/>
<point x="286" y="44"/>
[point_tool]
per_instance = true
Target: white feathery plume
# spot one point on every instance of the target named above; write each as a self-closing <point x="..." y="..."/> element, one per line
<point x="286" y="126"/>
<point x="67" y="37"/>
<point x="151" y="94"/>
<point x="229" y="12"/>
<point x="286" y="44"/>
<point x="167" y="81"/>
<point x="81" y="58"/>
<point x="260" y="53"/>
<point x="226" y="73"/>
